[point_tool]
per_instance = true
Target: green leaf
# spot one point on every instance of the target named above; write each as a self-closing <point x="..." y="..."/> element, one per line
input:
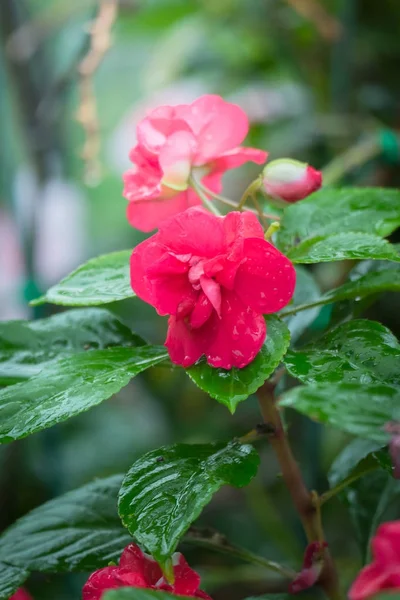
<point x="358" y="457"/>
<point x="307" y="291"/>
<point x="99" y="281"/>
<point x="231" y="387"/>
<point x="332" y="211"/>
<point x="358" y="351"/>
<point x="79" y="531"/>
<point x="385" y="278"/>
<point x="26" y="347"/>
<point x="359" y="409"/>
<point x="371" y="500"/>
<point x="357" y="460"/>
<point x="11" y="578"/>
<point x="166" y="489"/>
<point x="343" y="246"/>
<point x="70" y="386"/>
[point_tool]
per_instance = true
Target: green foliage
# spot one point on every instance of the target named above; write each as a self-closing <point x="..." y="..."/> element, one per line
<point x="342" y="246"/>
<point x="332" y="212"/>
<point x="369" y="277"/>
<point x="358" y="409"/>
<point x="79" y="531"/>
<point x="101" y="280"/>
<point x="27" y="347"/>
<point x="11" y="578"/>
<point x="359" y="351"/>
<point x="306" y="292"/>
<point x="231" y="387"/>
<point x="70" y="386"/>
<point x="371" y="500"/>
<point x="358" y="458"/>
<point x="166" y="489"/>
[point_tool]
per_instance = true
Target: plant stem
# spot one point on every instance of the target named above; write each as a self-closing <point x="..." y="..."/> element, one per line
<point x="305" y="502"/>
<point x="218" y="542"/>
<point x="354" y="157"/>
<point x="343" y="485"/>
<point x="251" y="189"/>
<point x="198" y="189"/>
<point x="231" y="203"/>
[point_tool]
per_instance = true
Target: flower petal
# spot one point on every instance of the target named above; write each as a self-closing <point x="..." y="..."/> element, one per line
<point x="185" y="344"/>
<point x="136" y="561"/>
<point x="240" y="334"/>
<point x="149" y="215"/>
<point x="110" y="578"/>
<point x="236" y="158"/>
<point x="266" y="278"/>
<point x="154" y="130"/>
<point x="142" y="257"/>
<point x="369" y="582"/>
<point x="176" y="159"/>
<point x="218" y="125"/>
<point x="201" y="312"/>
<point x="194" y="231"/>
<point x="187" y="581"/>
<point x="143" y="180"/>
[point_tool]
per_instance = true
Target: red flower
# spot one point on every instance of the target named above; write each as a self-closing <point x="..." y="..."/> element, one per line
<point x="137" y="569"/>
<point x="216" y="277"/>
<point x="21" y="594"/>
<point x="290" y="180"/>
<point x="312" y="566"/>
<point x="176" y="141"/>
<point x="384" y="572"/>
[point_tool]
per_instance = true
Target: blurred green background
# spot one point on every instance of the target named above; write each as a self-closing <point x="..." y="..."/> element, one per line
<point x="316" y="77"/>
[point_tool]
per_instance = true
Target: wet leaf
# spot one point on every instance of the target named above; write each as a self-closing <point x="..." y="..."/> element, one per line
<point x="166" y="489"/>
<point x="357" y="351"/>
<point x="70" y="386"/>
<point x="78" y="531"/>
<point x="26" y="347"/>
<point x="99" y="281"/>
<point x="233" y="386"/>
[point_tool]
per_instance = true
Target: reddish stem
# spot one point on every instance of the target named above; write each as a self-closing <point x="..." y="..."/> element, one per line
<point x="305" y="502"/>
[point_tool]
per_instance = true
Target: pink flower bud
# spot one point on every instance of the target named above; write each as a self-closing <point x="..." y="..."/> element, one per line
<point x="290" y="180"/>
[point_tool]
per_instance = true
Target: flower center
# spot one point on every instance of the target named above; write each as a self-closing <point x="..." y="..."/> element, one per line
<point x="208" y="285"/>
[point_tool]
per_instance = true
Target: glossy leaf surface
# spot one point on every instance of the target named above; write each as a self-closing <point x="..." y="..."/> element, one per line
<point x="329" y="211"/>
<point x="358" y="351"/>
<point x="99" y="281"/>
<point x="70" y="386"/>
<point x="361" y="410"/>
<point x="78" y="531"/>
<point x="231" y="387"/>
<point x="166" y="489"/>
<point x="26" y="347"/>
<point x="343" y="246"/>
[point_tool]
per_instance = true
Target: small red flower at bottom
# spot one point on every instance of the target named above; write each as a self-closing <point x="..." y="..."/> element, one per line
<point x="215" y="277"/>
<point x="384" y="572"/>
<point x="137" y="569"/>
<point x="21" y="594"/>
<point x="313" y="562"/>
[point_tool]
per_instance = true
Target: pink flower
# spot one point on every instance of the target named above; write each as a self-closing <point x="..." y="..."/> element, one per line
<point x="216" y="277"/>
<point x="312" y="566"/>
<point x="137" y="569"/>
<point x="174" y="142"/>
<point x="384" y="572"/>
<point x="21" y="594"/>
<point x="290" y="180"/>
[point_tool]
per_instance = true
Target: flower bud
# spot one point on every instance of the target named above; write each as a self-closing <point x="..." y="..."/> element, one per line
<point x="290" y="180"/>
